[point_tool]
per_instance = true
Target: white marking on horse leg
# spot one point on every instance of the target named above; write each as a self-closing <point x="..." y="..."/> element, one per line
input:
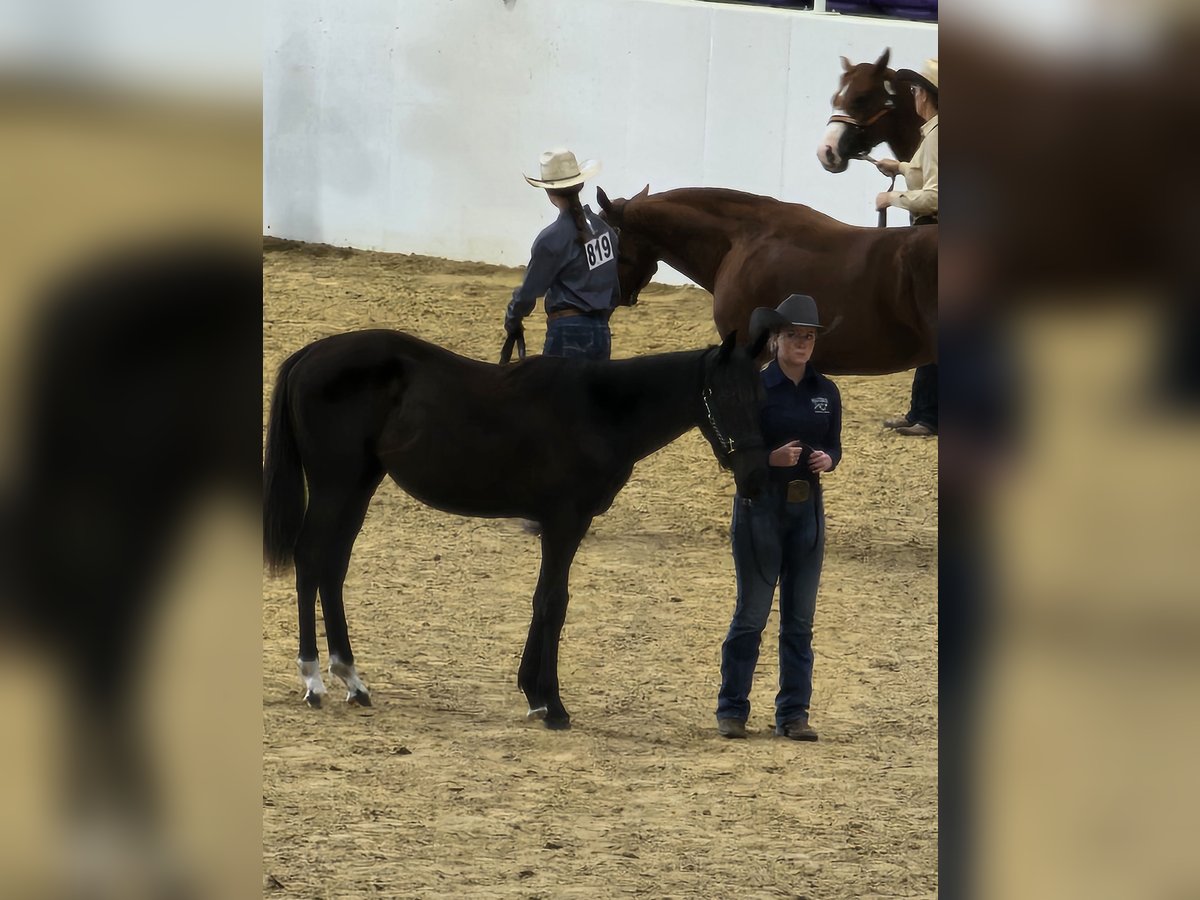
<point x="310" y="674"/>
<point x="536" y="715"/>
<point x="827" y="150"/>
<point x="349" y="677"/>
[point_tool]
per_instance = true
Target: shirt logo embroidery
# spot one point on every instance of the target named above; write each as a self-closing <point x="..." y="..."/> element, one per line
<point x="820" y="404"/>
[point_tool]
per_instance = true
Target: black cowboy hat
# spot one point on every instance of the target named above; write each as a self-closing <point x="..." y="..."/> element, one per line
<point x="926" y="78"/>
<point x="798" y="309"/>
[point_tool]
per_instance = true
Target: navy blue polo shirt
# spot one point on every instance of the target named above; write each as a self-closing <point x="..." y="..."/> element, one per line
<point x="571" y="275"/>
<point x="810" y="411"/>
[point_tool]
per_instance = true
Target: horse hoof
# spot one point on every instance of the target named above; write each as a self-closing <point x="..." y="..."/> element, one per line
<point x="536" y="715"/>
<point x="313" y="699"/>
<point x="358" y="698"/>
<point x="557" y="724"/>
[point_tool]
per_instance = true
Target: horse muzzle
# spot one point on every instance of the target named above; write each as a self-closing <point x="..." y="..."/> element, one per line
<point x="750" y="472"/>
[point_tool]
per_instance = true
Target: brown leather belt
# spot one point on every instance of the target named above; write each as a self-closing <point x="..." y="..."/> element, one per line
<point x="567" y="313"/>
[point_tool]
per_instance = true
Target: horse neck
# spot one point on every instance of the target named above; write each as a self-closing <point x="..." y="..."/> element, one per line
<point x="689" y="239"/>
<point x="654" y="399"/>
<point x="903" y="133"/>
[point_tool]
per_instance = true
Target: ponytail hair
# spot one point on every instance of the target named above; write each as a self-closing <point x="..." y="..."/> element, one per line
<point x="583" y="233"/>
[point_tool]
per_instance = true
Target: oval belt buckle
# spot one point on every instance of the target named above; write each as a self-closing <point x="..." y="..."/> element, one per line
<point x="797" y="491"/>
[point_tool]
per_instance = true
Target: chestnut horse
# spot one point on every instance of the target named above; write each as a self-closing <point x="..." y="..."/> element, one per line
<point x="876" y="288"/>
<point x="868" y="111"/>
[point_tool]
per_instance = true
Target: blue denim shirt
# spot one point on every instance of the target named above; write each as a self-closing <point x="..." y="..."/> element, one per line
<point x="810" y="411"/>
<point x="570" y="275"/>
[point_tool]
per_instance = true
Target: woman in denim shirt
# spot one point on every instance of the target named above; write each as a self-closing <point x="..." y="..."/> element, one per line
<point x="573" y="263"/>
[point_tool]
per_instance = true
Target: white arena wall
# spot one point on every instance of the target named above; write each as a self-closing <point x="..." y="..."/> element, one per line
<point x="405" y="125"/>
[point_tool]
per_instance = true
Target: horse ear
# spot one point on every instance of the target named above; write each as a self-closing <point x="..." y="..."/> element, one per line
<point x="846" y="65"/>
<point x="760" y="342"/>
<point x="643" y="192"/>
<point x="602" y="199"/>
<point x="727" y="346"/>
<point x="882" y="62"/>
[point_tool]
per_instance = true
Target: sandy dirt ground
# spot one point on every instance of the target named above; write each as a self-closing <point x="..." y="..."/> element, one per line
<point x="443" y="789"/>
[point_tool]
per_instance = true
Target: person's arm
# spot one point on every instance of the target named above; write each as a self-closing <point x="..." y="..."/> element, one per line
<point x="922" y="201"/>
<point x="826" y="459"/>
<point x="545" y="262"/>
<point x="835" y="429"/>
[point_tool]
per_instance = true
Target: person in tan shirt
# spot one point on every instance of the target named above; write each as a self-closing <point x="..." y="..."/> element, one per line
<point x="921" y="201"/>
<point x="921" y="172"/>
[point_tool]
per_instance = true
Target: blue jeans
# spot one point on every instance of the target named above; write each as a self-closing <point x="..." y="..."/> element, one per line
<point x="924" y="406"/>
<point x="578" y="336"/>
<point x="773" y="542"/>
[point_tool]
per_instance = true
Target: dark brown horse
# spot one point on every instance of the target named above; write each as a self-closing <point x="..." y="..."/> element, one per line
<point x="868" y="110"/>
<point x="875" y="288"/>
<point x="550" y="440"/>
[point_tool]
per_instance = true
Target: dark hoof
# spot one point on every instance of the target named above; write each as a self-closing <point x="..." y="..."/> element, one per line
<point x="563" y="724"/>
<point x="359" y="698"/>
<point x="312" y="699"/>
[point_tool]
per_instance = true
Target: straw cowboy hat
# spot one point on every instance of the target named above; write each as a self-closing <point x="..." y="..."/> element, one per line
<point x="560" y="169"/>
<point x="798" y="309"/>
<point x="926" y="78"/>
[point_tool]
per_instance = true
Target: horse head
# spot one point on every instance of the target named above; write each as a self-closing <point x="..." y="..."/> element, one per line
<point x="732" y="397"/>
<point x="864" y="100"/>
<point x="636" y="258"/>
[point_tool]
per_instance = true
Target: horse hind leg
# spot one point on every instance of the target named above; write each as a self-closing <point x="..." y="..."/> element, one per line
<point x="335" y="514"/>
<point x="307" y="661"/>
<point x="356" y="691"/>
<point x="310" y="674"/>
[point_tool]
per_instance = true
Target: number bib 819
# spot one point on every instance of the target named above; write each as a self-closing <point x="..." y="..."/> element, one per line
<point x="599" y="250"/>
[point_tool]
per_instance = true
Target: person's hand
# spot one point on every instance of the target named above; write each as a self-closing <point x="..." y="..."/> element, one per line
<point x="888" y="166"/>
<point x="820" y="461"/>
<point x="883" y="200"/>
<point x="513" y="327"/>
<point x="787" y="455"/>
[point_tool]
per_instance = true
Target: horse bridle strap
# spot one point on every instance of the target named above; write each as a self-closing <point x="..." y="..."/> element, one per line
<point x="850" y="120"/>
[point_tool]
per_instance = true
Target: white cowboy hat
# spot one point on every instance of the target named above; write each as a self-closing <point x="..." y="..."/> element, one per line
<point x="926" y="78"/>
<point x="560" y="169"/>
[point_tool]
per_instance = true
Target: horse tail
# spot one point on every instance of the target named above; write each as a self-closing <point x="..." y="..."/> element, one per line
<point x="283" y="477"/>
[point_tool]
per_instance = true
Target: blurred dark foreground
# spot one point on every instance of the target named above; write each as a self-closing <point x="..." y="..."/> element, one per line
<point x="1070" y="454"/>
<point x="129" y="554"/>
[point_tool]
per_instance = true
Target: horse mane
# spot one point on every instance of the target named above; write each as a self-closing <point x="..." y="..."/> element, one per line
<point x="726" y="203"/>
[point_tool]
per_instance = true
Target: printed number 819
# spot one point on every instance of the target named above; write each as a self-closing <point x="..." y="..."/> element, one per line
<point x="599" y="251"/>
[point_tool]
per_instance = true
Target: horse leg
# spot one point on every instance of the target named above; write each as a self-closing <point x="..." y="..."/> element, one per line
<point x="531" y="662"/>
<point x="560" y="541"/>
<point x="306" y="597"/>
<point x="331" y="522"/>
<point x="341" y="656"/>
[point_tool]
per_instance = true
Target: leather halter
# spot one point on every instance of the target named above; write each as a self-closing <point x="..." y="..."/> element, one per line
<point x="850" y="120"/>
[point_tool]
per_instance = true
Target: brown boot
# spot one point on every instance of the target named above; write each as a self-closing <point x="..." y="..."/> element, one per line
<point x="796" y="730"/>
<point x="920" y="429"/>
<point x="731" y="728"/>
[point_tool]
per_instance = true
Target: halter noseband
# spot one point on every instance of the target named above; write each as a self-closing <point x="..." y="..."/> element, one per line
<point x="850" y="120"/>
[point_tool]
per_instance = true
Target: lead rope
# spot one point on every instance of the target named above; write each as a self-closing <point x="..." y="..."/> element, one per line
<point x="882" y="223"/>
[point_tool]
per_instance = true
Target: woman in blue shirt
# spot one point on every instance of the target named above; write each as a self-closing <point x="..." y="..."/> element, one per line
<point x="573" y="262"/>
<point x="780" y="536"/>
